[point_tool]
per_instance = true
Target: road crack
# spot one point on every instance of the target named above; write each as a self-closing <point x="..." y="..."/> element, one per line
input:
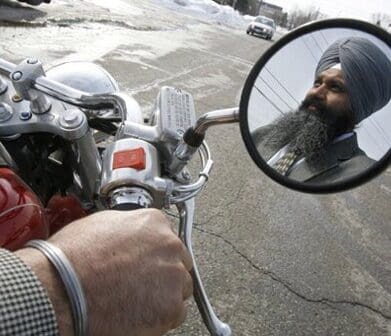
<point x="288" y="286"/>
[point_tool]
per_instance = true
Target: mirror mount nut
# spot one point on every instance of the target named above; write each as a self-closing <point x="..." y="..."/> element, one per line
<point x="193" y="138"/>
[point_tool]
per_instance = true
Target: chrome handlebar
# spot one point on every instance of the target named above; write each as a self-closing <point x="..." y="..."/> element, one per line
<point x="70" y="95"/>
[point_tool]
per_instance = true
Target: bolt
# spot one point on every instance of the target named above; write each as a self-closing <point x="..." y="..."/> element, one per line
<point x="16" y="98"/>
<point x="70" y="118"/>
<point x="25" y="115"/>
<point x="32" y="61"/>
<point x="17" y="75"/>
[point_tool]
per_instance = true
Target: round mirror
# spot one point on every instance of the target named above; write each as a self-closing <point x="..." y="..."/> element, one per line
<point x="315" y="111"/>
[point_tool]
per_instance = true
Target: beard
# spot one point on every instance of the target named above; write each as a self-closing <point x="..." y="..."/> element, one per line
<point x="308" y="131"/>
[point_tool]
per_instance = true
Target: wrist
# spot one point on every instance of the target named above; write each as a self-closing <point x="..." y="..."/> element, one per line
<point x="50" y="280"/>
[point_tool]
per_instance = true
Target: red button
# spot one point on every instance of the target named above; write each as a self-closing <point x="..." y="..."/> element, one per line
<point x="130" y="158"/>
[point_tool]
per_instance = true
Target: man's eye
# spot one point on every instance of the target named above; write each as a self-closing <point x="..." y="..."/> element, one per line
<point x="337" y="88"/>
<point x="316" y="84"/>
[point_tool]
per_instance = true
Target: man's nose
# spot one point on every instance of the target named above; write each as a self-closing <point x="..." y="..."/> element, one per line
<point x="319" y="92"/>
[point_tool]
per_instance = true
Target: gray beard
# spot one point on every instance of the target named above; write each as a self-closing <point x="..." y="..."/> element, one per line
<point x="304" y="130"/>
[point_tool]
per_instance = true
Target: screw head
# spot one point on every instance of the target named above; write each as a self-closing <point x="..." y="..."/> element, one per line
<point x="71" y="119"/>
<point x="25" y="115"/>
<point x="17" y="75"/>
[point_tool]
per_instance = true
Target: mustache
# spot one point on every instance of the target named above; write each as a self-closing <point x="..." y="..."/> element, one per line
<point x="307" y="102"/>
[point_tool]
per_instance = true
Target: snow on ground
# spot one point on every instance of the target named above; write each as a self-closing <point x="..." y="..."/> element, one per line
<point x="207" y="10"/>
<point x="118" y="6"/>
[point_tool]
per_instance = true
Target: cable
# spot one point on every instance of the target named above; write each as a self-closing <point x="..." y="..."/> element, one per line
<point x="272" y="90"/>
<point x="274" y="105"/>
<point x="309" y="49"/>
<point x="316" y="42"/>
<point x="285" y="89"/>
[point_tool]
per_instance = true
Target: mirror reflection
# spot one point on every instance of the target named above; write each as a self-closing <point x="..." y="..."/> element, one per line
<point x="323" y="115"/>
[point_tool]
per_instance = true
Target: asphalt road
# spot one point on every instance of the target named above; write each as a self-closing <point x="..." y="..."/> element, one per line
<point x="274" y="261"/>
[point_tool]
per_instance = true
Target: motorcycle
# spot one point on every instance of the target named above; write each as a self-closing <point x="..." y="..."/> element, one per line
<point x="73" y="144"/>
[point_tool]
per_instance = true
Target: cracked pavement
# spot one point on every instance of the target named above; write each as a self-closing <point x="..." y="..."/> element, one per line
<point x="274" y="261"/>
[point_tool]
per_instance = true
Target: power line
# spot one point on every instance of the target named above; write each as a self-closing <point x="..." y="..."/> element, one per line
<point x="282" y="85"/>
<point x="316" y="42"/>
<point x="381" y="130"/>
<point x="327" y="42"/>
<point x="272" y="103"/>
<point x="271" y="89"/>
<point x="309" y="49"/>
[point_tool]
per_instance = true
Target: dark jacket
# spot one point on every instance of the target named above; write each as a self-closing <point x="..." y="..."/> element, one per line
<point x="342" y="160"/>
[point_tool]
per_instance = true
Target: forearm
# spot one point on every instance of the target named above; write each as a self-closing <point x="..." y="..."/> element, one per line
<point x="50" y="280"/>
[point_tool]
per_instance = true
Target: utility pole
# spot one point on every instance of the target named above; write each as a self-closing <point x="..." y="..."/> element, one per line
<point x="259" y="7"/>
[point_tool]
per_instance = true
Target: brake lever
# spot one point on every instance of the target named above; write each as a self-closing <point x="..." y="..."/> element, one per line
<point x="215" y="326"/>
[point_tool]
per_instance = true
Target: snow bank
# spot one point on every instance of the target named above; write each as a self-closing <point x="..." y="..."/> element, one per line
<point x="207" y="10"/>
<point x="117" y="6"/>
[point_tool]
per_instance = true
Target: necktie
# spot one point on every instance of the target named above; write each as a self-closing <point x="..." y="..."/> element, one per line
<point x="286" y="161"/>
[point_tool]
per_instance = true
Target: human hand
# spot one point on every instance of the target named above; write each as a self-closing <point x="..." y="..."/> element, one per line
<point x="133" y="269"/>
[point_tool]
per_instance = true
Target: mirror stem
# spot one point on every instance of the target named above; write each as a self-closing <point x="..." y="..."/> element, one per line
<point x="225" y="116"/>
<point x="194" y="136"/>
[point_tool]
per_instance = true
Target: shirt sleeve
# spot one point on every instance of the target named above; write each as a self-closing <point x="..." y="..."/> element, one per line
<point x="25" y="307"/>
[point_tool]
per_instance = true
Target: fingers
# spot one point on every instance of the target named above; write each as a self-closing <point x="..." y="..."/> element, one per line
<point x="187" y="286"/>
<point x="180" y="317"/>
<point x="186" y="258"/>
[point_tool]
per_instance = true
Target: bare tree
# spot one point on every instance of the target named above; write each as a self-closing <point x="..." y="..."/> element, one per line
<point x="381" y="19"/>
<point x="298" y="16"/>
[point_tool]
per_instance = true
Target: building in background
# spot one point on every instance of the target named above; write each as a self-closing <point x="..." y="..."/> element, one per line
<point x="269" y="10"/>
<point x="274" y="12"/>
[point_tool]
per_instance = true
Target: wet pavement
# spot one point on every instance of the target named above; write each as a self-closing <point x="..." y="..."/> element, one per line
<point x="274" y="261"/>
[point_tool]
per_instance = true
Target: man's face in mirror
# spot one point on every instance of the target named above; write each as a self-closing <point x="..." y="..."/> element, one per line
<point x="329" y="100"/>
<point x="324" y="114"/>
<point x="319" y="133"/>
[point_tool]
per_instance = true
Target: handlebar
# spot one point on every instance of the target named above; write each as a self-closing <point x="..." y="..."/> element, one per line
<point x="70" y="95"/>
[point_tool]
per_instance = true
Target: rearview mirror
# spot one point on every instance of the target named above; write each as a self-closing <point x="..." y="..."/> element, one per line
<point x="315" y="112"/>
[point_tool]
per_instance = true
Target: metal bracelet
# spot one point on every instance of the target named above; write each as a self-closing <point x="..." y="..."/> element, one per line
<point x="71" y="282"/>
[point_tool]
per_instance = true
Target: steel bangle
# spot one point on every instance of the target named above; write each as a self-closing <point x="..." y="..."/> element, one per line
<point x="71" y="282"/>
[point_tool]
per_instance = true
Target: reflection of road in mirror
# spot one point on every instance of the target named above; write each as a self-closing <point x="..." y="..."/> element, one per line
<point x="325" y="119"/>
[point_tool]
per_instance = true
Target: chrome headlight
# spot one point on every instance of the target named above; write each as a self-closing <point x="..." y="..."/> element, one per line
<point x="84" y="76"/>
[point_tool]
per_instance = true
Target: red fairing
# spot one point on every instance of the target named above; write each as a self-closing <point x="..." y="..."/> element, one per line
<point x="22" y="217"/>
<point x="62" y="210"/>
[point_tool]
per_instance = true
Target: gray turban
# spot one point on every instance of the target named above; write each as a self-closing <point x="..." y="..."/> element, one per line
<point x="367" y="73"/>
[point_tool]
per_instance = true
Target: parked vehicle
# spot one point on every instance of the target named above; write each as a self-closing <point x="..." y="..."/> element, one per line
<point x="262" y="26"/>
<point x="73" y="144"/>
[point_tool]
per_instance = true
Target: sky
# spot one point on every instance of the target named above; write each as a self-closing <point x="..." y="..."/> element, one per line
<point x="359" y="9"/>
